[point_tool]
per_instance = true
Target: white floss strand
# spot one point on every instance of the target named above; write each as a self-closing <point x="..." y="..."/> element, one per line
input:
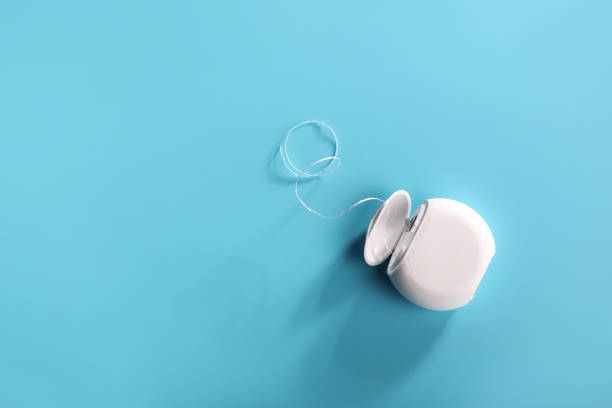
<point x="334" y="162"/>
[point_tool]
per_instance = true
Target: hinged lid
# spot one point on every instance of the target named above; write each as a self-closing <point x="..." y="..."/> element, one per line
<point x="386" y="227"/>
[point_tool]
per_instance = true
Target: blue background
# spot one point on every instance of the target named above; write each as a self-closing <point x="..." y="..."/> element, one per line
<point x="152" y="253"/>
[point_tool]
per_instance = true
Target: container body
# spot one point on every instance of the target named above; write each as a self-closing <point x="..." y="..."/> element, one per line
<point x="440" y="264"/>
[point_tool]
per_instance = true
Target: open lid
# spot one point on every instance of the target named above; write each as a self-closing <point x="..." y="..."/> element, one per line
<point x="386" y="227"/>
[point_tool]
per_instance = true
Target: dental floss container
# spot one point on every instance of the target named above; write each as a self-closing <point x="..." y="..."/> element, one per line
<point x="438" y="256"/>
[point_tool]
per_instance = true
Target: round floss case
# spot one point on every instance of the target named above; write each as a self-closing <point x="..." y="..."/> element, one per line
<point x="438" y="256"/>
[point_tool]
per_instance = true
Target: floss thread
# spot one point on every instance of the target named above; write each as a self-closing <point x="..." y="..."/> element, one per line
<point x="333" y="162"/>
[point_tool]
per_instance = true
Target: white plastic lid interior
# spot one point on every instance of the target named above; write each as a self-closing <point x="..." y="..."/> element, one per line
<point x="386" y="228"/>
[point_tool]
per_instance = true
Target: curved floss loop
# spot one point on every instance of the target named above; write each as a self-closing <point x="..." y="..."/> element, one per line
<point x="333" y="163"/>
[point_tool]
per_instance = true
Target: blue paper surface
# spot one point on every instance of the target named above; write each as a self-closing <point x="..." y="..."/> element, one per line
<point x="152" y="253"/>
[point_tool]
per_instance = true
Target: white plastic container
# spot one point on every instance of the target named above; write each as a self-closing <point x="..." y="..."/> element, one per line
<point x="439" y="256"/>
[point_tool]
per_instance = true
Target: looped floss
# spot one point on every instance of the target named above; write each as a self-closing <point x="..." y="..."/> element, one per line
<point x="333" y="162"/>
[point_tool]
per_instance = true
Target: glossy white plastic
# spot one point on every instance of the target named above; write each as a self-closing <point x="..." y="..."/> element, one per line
<point x="439" y="256"/>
